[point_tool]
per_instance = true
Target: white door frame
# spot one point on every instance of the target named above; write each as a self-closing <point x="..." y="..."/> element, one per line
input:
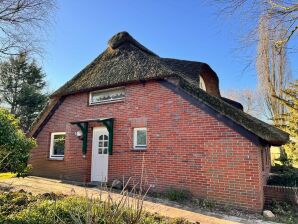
<point x="99" y="162"/>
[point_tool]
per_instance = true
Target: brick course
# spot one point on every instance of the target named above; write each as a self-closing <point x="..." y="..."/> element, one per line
<point x="187" y="147"/>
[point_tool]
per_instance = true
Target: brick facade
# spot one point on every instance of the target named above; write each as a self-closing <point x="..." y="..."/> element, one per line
<point x="188" y="147"/>
<point x="280" y="194"/>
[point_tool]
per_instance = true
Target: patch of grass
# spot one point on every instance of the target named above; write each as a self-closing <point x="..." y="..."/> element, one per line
<point x="6" y="175"/>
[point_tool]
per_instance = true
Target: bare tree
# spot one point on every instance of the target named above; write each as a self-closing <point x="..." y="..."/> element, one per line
<point x="284" y="13"/>
<point x="22" y="25"/>
<point x="274" y="24"/>
<point x="272" y="70"/>
<point x="249" y="100"/>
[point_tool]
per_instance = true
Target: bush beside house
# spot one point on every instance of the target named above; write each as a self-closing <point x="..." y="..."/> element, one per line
<point x="14" y="145"/>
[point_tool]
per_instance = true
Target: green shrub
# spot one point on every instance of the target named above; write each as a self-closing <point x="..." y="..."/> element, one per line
<point x="178" y="195"/>
<point x="14" y="145"/>
<point x="283" y="176"/>
<point x="285" y="212"/>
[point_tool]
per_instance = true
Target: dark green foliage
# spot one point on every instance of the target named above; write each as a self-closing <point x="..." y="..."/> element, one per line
<point x="177" y="194"/>
<point x="14" y="145"/>
<point x="283" y="176"/>
<point x="20" y="207"/>
<point x="285" y="212"/>
<point x="22" y="86"/>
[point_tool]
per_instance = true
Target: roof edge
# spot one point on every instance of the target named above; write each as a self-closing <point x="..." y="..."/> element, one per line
<point x="278" y="138"/>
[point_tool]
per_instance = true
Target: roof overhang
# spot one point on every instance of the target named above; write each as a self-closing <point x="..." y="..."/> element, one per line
<point x="92" y="120"/>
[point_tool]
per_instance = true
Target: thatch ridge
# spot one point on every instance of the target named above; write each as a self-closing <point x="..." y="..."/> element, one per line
<point x="125" y="38"/>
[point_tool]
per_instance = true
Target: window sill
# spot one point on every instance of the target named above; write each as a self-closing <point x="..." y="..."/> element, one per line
<point x="57" y="159"/>
<point x="139" y="149"/>
<point x="107" y="102"/>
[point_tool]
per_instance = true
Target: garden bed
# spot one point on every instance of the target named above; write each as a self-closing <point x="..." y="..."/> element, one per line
<point x="23" y="207"/>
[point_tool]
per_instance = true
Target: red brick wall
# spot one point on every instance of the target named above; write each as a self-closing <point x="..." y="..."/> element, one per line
<point x="187" y="147"/>
<point x="280" y="194"/>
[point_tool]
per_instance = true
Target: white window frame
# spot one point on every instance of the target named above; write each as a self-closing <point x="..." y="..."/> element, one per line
<point x="135" y="139"/>
<point x="52" y="156"/>
<point x="106" y="101"/>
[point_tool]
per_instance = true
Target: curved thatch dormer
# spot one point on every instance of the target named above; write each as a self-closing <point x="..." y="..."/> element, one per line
<point x="210" y="80"/>
<point x="201" y="72"/>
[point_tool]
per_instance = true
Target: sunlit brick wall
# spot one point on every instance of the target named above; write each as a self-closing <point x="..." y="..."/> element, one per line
<point x="188" y="147"/>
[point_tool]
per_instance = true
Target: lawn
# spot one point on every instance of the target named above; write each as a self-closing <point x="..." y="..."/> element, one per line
<point x="6" y="175"/>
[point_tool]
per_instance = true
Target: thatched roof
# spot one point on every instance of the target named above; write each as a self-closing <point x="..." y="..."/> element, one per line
<point x="127" y="61"/>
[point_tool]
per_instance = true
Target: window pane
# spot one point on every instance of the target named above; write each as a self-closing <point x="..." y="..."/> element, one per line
<point x="105" y="151"/>
<point x="105" y="144"/>
<point x="101" y="137"/>
<point x="59" y="143"/>
<point x="141" y="137"/>
<point x="202" y="83"/>
<point x="99" y="150"/>
<point x="105" y="137"/>
<point x="100" y="144"/>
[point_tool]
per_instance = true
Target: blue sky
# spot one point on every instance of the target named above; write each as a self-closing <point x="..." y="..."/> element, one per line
<point x="189" y="30"/>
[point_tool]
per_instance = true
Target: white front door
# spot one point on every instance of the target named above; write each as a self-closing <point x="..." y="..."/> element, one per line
<point x="100" y="154"/>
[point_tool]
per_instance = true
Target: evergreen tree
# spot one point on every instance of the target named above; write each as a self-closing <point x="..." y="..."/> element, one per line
<point x="289" y="122"/>
<point x="22" y="85"/>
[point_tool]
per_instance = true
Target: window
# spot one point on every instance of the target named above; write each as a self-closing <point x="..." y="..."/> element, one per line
<point x="202" y="83"/>
<point x="57" y="145"/>
<point x="105" y="96"/>
<point x="140" y="138"/>
<point x="103" y="142"/>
